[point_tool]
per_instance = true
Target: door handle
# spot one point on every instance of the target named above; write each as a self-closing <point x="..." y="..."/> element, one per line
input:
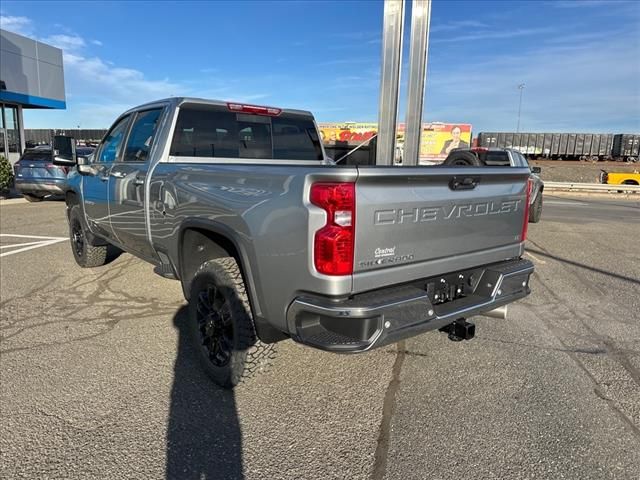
<point x="465" y="183"/>
<point x="117" y="174"/>
<point x="138" y="181"/>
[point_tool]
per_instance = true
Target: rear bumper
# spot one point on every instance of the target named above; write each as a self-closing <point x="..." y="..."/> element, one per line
<point x="48" y="187"/>
<point x="385" y="316"/>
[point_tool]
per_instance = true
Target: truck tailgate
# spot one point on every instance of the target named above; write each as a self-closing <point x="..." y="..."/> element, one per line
<point x="414" y="222"/>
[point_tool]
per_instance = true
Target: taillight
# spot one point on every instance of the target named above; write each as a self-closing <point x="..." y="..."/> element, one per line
<point x="525" y="223"/>
<point x="254" y="109"/>
<point x="334" y="243"/>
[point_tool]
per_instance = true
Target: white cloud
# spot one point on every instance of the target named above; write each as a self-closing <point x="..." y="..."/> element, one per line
<point x="457" y="25"/>
<point x="67" y="43"/>
<point x="98" y="90"/>
<point x="19" y="25"/>
<point x="493" y="34"/>
<point x="94" y="77"/>
<point x="568" y="87"/>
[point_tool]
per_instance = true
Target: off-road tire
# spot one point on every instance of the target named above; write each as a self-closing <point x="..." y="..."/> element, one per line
<point x="535" y="209"/>
<point x="85" y="254"/>
<point x="32" y="198"/>
<point x="462" y="158"/>
<point x="238" y="354"/>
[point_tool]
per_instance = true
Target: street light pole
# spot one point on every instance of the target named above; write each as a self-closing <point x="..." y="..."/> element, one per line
<point x="521" y="88"/>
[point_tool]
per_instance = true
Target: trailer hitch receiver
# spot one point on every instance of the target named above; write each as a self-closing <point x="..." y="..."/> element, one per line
<point x="459" y="330"/>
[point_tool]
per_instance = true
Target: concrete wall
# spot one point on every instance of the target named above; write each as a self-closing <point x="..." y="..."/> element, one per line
<point x="31" y="72"/>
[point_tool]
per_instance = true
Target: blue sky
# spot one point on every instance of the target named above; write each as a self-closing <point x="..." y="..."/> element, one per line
<point x="580" y="61"/>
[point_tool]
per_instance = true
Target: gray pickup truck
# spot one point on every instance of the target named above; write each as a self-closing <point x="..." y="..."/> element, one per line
<point x="272" y="240"/>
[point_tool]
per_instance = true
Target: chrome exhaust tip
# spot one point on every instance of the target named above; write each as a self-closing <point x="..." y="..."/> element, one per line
<point x="500" y="312"/>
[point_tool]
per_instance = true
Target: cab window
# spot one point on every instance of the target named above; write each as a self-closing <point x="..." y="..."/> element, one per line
<point x="113" y="140"/>
<point x="142" y="134"/>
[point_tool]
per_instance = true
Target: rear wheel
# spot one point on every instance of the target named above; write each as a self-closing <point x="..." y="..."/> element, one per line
<point x="30" y="197"/>
<point x="85" y="254"/>
<point x="221" y="324"/>
<point x="535" y="210"/>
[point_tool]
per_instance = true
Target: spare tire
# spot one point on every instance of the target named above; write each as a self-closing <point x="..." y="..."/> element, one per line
<point x="462" y="158"/>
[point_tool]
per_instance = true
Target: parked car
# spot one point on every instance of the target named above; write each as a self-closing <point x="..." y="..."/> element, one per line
<point x="36" y="177"/>
<point x="499" y="157"/>
<point x="620" y="178"/>
<point x="271" y="240"/>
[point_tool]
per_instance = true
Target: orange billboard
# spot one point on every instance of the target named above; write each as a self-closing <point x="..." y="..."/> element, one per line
<point x="436" y="141"/>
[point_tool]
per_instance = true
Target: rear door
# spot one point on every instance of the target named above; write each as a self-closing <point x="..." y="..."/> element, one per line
<point x="127" y="183"/>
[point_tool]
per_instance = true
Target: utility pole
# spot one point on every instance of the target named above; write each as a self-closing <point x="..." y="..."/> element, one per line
<point x="521" y="88"/>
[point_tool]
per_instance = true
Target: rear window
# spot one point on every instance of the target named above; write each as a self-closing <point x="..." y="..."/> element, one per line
<point x="209" y="131"/>
<point x="495" y="159"/>
<point x="36" y="155"/>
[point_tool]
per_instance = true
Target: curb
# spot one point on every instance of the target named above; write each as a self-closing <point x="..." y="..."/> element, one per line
<point x="12" y="201"/>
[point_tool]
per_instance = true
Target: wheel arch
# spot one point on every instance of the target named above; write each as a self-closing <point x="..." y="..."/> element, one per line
<point x="71" y="198"/>
<point x="202" y="240"/>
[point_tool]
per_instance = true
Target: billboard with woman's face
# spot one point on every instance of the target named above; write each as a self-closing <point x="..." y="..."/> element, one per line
<point x="436" y="141"/>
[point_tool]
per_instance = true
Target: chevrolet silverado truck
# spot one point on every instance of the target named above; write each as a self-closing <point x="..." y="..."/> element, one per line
<point x="272" y="240"/>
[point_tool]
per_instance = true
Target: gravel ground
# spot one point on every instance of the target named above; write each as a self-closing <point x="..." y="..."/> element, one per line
<point x="583" y="172"/>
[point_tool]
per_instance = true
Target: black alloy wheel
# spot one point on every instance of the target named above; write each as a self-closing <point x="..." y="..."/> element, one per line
<point x="215" y="325"/>
<point x="77" y="238"/>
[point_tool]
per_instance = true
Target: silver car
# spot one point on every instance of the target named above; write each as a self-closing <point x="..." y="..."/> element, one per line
<point x="36" y="177"/>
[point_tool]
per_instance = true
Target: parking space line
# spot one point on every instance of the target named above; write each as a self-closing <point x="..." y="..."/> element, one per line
<point x="25" y="246"/>
<point x="535" y="258"/>
<point x="573" y="204"/>
<point x="11" y="245"/>
<point x="16" y="235"/>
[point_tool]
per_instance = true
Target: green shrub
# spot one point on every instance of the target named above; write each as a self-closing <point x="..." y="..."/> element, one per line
<point x="6" y="175"/>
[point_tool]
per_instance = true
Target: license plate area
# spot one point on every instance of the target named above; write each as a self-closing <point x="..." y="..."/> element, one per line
<point x="468" y="288"/>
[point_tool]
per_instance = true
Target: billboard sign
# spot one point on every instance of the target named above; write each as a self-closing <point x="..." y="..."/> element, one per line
<point x="436" y="141"/>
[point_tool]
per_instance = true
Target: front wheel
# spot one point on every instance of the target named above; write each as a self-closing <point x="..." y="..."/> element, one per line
<point x="535" y="210"/>
<point x="85" y="254"/>
<point x="221" y="324"/>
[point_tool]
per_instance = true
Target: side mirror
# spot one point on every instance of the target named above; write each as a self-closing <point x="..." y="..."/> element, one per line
<point x="536" y="170"/>
<point x="85" y="167"/>
<point x="64" y="150"/>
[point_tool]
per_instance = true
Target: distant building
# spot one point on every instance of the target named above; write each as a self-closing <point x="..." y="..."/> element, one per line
<point x="31" y="76"/>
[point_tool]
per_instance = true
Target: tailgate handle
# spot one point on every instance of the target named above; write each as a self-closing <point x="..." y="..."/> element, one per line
<point x="463" y="183"/>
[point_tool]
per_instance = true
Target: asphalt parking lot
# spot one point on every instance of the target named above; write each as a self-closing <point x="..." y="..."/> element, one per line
<point x="98" y="381"/>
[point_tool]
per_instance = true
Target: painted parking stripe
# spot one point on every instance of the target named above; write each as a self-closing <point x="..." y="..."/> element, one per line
<point x="25" y="246"/>
<point x="13" y="245"/>
<point x="536" y="259"/>
<point x="15" y="235"/>
<point x="573" y="204"/>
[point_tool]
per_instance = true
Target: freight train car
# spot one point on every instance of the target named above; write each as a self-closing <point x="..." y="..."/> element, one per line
<point x="566" y="146"/>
